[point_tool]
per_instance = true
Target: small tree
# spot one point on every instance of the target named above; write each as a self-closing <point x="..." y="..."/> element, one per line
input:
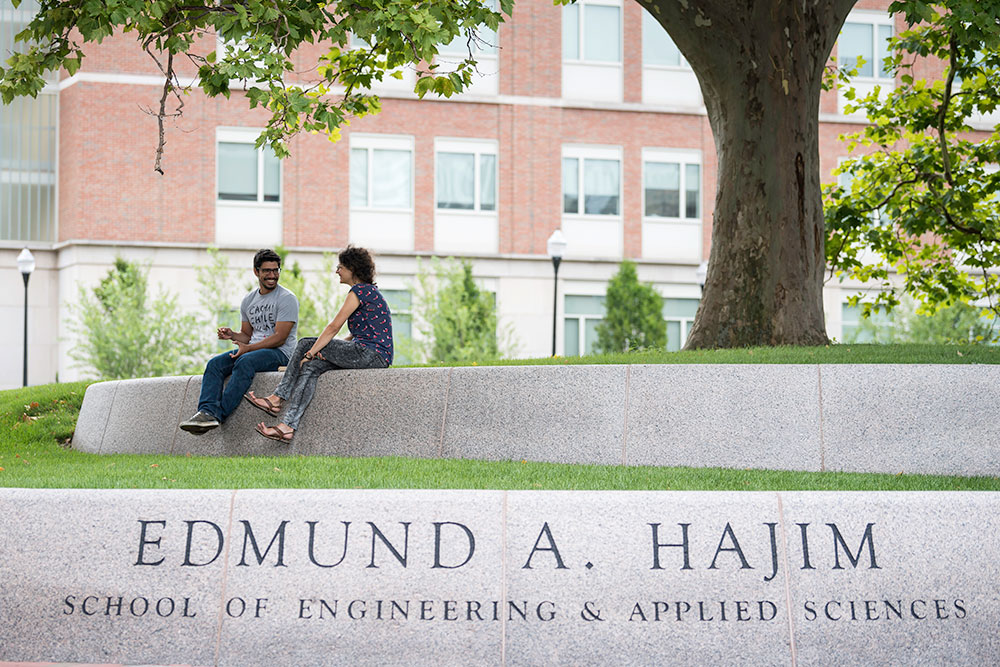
<point x="219" y="296"/>
<point x="327" y="294"/>
<point x="293" y="278"/>
<point x="466" y="326"/>
<point x="634" y="316"/>
<point x="959" y="323"/>
<point x="121" y="334"/>
<point x="455" y="319"/>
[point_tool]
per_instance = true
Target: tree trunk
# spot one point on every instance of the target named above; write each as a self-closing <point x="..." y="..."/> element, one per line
<point x="760" y="65"/>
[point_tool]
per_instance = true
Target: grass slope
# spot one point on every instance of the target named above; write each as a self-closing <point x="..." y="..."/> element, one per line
<point x="36" y="424"/>
<point x="829" y="354"/>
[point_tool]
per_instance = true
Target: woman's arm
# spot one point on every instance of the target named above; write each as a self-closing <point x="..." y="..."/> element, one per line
<point x="351" y="304"/>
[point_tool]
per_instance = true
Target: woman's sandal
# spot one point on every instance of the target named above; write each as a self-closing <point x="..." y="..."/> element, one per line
<point x="266" y="405"/>
<point x="275" y="433"/>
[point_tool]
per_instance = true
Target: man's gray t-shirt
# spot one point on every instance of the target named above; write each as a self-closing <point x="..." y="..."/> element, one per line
<point x="262" y="311"/>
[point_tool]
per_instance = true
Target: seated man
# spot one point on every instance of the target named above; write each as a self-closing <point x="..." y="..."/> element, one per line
<point x="265" y="341"/>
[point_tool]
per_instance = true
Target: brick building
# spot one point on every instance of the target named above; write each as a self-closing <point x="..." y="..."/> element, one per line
<point x="584" y="118"/>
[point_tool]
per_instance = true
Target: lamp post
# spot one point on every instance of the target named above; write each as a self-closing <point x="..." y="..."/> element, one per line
<point x="700" y="273"/>
<point x="25" y="264"/>
<point x="556" y="247"/>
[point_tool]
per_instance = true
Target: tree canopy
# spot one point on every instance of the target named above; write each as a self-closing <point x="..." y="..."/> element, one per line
<point x="922" y="199"/>
<point x="363" y="41"/>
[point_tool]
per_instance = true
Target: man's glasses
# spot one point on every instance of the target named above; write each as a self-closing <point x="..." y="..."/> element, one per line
<point x="270" y="271"/>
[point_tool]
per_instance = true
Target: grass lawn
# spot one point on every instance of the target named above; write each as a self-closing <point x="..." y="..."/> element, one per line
<point x="36" y="424"/>
<point x="829" y="354"/>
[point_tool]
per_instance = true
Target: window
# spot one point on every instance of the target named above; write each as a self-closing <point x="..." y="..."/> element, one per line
<point x="679" y="314"/>
<point x="400" y="303"/>
<point x="582" y="315"/>
<point x="591" y="185"/>
<point x="846" y="181"/>
<point x="657" y="47"/>
<point x="856" y="329"/>
<point x="382" y="173"/>
<point x="671" y="186"/>
<point x="247" y="173"/>
<point x="866" y="36"/>
<point x="27" y="145"/>
<point x="484" y="42"/>
<point x="592" y="31"/>
<point x="466" y="176"/>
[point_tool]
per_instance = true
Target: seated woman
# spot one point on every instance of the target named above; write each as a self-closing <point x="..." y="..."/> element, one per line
<point x="369" y="345"/>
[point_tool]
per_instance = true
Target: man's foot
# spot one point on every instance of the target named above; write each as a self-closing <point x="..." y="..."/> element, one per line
<point x="283" y="435"/>
<point x="264" y="403"/>
<point x="199" y="423"/>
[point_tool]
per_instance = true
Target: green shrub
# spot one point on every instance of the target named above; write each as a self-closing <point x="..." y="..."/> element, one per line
<point x="633" y="318"/>
<point x="121" y="333"/>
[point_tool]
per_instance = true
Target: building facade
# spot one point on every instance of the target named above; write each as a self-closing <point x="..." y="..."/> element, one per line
<point x="583" y="118"/>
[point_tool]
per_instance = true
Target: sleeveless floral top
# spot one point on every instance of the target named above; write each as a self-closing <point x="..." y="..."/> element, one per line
<point x="371" y="323"/>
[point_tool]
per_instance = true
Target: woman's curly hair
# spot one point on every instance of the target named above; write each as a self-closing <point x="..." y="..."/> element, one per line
<point x="359" y="262"/>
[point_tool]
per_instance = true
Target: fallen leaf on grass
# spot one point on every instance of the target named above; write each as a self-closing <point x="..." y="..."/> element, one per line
<point x="278" y="469"/>
<point x="154" y="465"/>
<point x="1" y="469"/>
<point x="959" y="353"/>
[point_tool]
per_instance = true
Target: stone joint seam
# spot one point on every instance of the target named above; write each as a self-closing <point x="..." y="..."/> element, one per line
<point x="225" y="578"/>
<point x="822" y="438"/>
<point x="180" y="413"/>
<point x="787" y="578"/>
<point x="107" y="418"/>
<point x="628" y="385"/>
<point x="503" y="578"/>
<point x="444" y="413"/>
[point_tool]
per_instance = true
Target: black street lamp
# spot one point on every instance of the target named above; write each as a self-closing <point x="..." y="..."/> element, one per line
<point x="25" y="264"/>
<point x="556" y="247"/>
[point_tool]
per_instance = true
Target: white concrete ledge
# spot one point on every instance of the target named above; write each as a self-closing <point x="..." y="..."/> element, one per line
<point x="934" y="419"/>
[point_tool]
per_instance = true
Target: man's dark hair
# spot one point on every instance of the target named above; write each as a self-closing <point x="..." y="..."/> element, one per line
<point x="359" y="262"/>
<point x="266" y="255"/>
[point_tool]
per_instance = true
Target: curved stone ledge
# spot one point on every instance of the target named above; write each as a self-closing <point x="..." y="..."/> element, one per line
<point x="933" y="419"/>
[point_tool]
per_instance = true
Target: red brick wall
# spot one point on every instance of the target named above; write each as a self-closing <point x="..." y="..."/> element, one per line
<point x="109" y="191"/>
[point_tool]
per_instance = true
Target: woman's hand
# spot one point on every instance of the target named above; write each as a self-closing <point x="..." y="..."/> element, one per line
<point x="310" y="355"/>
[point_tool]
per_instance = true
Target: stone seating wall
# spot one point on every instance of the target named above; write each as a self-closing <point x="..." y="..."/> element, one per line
<point x="934" y="419"/>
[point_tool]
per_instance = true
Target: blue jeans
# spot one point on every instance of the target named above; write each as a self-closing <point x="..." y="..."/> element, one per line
<point x="220" y="403"/>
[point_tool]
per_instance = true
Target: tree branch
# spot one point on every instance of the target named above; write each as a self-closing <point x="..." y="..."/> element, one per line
<point x="943" y="112"/>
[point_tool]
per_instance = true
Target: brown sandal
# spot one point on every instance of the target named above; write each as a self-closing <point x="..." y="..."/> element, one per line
<point x="271" y="408"/>
<point x="275" y="433"/>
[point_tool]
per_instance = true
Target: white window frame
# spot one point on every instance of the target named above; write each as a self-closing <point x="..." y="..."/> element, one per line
<point x="685" y="322"/>
<point x="371" y="142"/>
<point x="582" y="321"/>
<point x="683" y="158"/>
<point x="875" y="19"/>
<point x="246" y="135"/>
<point x="580" y="59"/>
<point x="583" y="152"/>
<point x="476" y="148"/>
<point x="684" y="66"/>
